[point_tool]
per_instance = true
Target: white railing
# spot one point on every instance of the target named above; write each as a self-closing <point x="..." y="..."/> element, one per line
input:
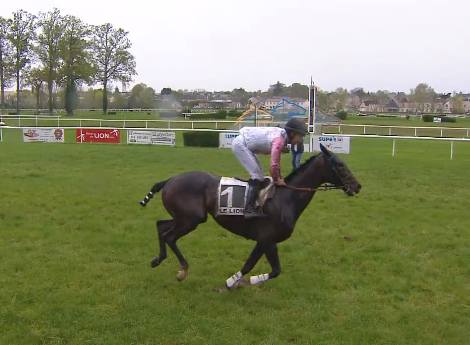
<point x="395" y="138"/>
<point x="347" y="129"/>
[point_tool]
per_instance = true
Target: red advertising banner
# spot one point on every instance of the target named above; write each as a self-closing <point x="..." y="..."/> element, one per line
<point x="86" y="135"/>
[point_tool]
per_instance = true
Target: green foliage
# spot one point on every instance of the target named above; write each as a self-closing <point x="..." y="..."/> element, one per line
<point x="430" y="118"/>
<point x="234" y="113"/>
<point x="112" y="58"/>
<point x="342" y="115"/>
<point x="427" y="118"/>
<point x="166" y="91"/>
<point x="75" y="55"/>
<point x="21" y="35"/>
<point x="448" y="119"/>
<point x="201" y="139"/>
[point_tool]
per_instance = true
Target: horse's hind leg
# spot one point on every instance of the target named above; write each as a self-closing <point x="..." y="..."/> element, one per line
<point x="181" y="229"/>
<point x="163" y="227"/>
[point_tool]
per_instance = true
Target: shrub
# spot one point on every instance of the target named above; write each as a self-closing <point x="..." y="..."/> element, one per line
<point x="430" y="118"/>
<point x="342" y="115"/>
<point x="407" y="116"/>
<point x="201" y="139"/>
<point x="427" y="118"/>
<point x="234" y="113"/>
<point x="448" y="119"/>
<point x="111" y="113"/>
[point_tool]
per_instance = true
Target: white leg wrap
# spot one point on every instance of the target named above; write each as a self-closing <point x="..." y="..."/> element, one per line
<point x="230" y="282"/>
<point x="259" y="279"/>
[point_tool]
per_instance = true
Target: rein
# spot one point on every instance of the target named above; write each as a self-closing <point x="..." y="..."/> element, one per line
<point x="322" y="188"/>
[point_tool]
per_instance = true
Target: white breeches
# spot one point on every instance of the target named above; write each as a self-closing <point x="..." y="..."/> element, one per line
<point x="247" y="158"/>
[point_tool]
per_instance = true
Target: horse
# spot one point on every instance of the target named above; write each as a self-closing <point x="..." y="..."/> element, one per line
<point x="191" y="196"/>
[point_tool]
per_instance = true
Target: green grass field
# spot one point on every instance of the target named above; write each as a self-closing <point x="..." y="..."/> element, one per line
<point x="75" y="249"/>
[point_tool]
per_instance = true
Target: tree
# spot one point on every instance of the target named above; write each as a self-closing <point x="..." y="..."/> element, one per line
<point x="457" y="103"/>
<point x="134" y="100"/>
<point x="297" y="90"/>
<point x="75" y="53"/>
<point x="340" y="98"/>
<point x="52" y="26"/>
<point x="35" y="78"/>
<point x="6" y="62"/>
<point x="166" y="91"/>
<point x="22" y="34"/>
<point x="277" y="89"/>
<point x="359" y="94"/>
<point x="147" y="98"/>
<point x="112" y="58"/>
<point x="322" y="99"/>
<point x="423" y="95"/>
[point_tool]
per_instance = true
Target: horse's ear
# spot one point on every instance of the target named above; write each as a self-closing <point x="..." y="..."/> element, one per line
<point x="324" y="150"/>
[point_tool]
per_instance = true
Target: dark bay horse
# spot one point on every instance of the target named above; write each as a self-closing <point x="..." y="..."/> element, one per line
<point x="191" y="196"/>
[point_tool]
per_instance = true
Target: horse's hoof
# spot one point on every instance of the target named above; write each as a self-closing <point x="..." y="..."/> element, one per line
<point x="221" y="289"/>
<point x="242" y="283"/>
<point x="181" y="275"/>
<point x="154" y="263"/>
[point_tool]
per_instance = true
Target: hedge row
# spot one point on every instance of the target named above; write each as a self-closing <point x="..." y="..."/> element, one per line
<point x="342" y="115"/>
<point x="430" y="118"/>
<point x="201" y="139"/>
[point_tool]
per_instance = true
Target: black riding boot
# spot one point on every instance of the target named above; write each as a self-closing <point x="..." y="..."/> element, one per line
<point x="253" y="192"/>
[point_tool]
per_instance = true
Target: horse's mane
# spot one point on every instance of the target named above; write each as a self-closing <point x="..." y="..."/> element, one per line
<point x="301" y="168"/>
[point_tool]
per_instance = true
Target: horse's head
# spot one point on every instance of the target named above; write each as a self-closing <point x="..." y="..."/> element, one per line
<point x="338" y="173"/>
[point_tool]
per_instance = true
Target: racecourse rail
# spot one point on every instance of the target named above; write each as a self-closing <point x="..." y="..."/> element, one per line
<point x="227" y="125"/>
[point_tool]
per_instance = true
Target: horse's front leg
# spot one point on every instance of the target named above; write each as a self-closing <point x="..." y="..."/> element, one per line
<point x="270" y="250"/>
<point x="253" y="259"/>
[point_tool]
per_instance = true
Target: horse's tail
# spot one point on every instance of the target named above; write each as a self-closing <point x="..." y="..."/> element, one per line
<point x="155" y="189"/>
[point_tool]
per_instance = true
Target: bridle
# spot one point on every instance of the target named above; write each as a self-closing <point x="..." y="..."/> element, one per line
<point x="326" y="187"/>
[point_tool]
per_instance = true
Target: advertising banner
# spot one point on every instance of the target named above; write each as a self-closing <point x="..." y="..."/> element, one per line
<point x="45" y="135"/>
<point x="102" y="135"/>
<point x="335" y="144"/>
<point x="225" y="140"/>
<point x="151" y="138"/>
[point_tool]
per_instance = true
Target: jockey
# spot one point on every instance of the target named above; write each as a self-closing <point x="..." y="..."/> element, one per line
<point x="265" y="140"/>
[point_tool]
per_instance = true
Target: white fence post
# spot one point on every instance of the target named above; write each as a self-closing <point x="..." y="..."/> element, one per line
<point x="394" y="147"/>
<point x="416" y="132"/>
<point x="390" y="131"/>
<point x="451" y="149"/>
<point x="80" y="124"/>
<point x="36" y="120"/>
<point x="441" y="133"/>
<point x="58" y="121"/>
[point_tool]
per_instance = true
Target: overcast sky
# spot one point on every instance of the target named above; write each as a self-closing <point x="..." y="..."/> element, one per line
<point x="225" y="44"/>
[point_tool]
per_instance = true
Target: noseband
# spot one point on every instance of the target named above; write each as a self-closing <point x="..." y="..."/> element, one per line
<point x="332" y="166"/>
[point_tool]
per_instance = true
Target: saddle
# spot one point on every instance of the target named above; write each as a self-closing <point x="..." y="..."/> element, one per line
<point x="266" y="182"/>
